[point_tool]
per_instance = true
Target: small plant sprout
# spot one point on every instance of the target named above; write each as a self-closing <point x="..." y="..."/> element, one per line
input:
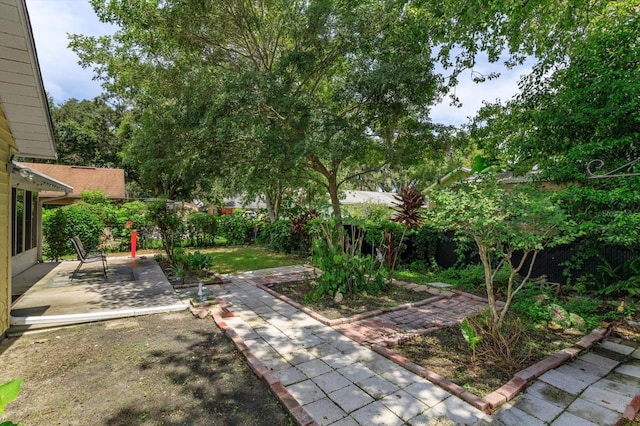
<point x="469" y="335"/>
<point x="8" y="392"/>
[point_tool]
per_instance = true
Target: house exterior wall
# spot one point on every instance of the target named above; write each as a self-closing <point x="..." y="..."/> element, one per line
<point x="7" y="143"/>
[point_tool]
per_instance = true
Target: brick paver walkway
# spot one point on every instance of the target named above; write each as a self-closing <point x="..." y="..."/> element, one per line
<point x="323" y="377"/>
<point x="389" y="327"/>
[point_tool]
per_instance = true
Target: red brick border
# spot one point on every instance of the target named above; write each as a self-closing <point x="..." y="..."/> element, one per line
<point x="293" y="407"/>
<point x="520" y="381"/>
<point x="489" y="403"/>
<point x="437" y="296"/>
<point x="631" y="412"/>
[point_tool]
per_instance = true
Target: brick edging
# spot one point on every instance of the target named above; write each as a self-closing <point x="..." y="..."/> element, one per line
<point x="520" y="381"/>
<point x="293" y="407"/>
<point x="631" y="412"/>
<point x="437" y="296"/>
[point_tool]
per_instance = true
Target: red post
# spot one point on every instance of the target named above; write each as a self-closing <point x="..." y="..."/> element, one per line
<point x="134" y="237"/>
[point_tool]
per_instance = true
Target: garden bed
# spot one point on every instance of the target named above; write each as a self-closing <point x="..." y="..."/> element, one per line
<point x="443" y="351"/>
<point x="350" y="306"/>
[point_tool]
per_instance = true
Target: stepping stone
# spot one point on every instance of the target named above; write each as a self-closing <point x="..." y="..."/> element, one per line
<point x="439" y="285"/>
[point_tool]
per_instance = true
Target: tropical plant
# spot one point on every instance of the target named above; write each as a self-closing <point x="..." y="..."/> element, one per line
<point x="8" y="392"/>
<point x="407" y="212"/>
<point x="343" y="268"/>
<point x="469" y="335"/>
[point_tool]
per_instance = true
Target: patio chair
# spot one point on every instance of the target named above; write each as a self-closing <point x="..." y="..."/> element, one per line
<point x="85" y="257"/>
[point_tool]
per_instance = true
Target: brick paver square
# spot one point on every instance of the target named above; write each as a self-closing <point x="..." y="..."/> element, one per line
<point x="592" y="412"/>
<point x="377" y="387"/>
<point x="630" y="369"/>
<point x="376" y="414"/>
<point x="616" y="347"/>
<point x="563" y="382"/>
<point x="291" y="375"/>
<point x="537" y="407"/>
<point x="403" y="405"/>
<point x="306" y="392"/>
<point x="568" y="419"/>
<point x="401" y="377"/>
<point x="427" y="392"/>
<point x="314" y="368"/>
<point x="350" y="398"/>
<point x="356" y="372"/>
<point x="605" y="398"/>
<point x="331" y="381"/>
<point x="510" y="415"/>
<point x="324" y="411"/>
<point x="337" y="360"/>
<point x="551" y="394"/>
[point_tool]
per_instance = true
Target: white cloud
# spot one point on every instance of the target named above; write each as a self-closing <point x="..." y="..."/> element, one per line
<point x="51" y="21"/>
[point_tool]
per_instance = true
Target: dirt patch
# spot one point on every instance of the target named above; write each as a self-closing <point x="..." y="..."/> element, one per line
<point x="168" y="369"/>
<point x="446" y="353"/>
<point x="352" y="305"/>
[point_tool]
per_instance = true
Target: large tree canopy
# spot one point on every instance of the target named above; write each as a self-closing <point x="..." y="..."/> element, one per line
<point x="270" y="87"/>
<point x="579" y="106"/>
<point x="87" y="132"/>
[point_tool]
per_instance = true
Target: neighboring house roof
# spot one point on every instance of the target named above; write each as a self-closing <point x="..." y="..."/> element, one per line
<point x="369" y="197"/>
<point x="25" y="178"/>
<point x="22" y="93"/>
<point x="109" y="181"/>
<point x="241" y="201"/>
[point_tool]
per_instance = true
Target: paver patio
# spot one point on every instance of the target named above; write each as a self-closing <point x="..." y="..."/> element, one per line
<point x="325" y="377"/>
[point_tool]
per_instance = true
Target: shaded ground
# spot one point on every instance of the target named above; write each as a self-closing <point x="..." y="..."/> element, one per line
<point x="352" y="305"/>
<point x="168" y="369"/>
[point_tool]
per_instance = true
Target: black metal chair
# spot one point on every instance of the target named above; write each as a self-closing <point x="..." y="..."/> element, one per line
<point x="85" y="257"/>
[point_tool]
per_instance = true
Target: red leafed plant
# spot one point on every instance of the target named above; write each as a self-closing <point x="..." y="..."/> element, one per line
<point x="407" y="212"/>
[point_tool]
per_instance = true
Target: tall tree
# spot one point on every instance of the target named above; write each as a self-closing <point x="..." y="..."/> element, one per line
<point x="321" y="85"/>
<point x="577" y="107"/>
<point x="87" y="132"/>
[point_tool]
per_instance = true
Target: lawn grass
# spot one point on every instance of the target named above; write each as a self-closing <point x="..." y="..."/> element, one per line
<point x="249" y="258"/>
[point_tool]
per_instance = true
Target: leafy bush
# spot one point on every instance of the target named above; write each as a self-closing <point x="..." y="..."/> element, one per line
<point x="63" y="223"/>
<point x="202" y="228"/>
<point x="167" y="216"/>
<point x="622" y="280"/>
<point x="278" y="236"/>
<point x="198" y="261"/>
<point x="236" y="228"/>
<point x="344" y="269"/>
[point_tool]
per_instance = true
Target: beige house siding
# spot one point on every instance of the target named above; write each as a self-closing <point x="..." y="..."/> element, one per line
<point x="6" y="145"/>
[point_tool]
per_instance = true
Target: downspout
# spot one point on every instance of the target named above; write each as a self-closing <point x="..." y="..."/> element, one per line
<point x="39" y="219"/>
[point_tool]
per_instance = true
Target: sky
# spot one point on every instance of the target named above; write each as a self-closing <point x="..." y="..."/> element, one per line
<point x="52" y="20"/>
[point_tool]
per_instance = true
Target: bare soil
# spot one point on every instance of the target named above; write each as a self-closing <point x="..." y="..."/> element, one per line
<point x="167" y="369"/>
<point x="446" y="353"/>
<point x="352" y="305"/>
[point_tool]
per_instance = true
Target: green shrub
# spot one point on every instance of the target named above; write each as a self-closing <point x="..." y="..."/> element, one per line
<point x="61" y="224"/>
<point x="236" y="228"/>
<point x="344" y="269"/>
<point x="198" y="261"/>
<point x="278" y="236"/>
<point x="54" y="229"/>
<point x="202" y="228"/>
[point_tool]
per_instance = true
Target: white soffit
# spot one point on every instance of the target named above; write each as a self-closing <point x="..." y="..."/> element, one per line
<point x="21" y="90"/>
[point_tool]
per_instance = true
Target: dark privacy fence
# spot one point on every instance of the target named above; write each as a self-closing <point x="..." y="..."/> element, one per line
<point x="550" y="262"/>
<point x="427" y="246"/>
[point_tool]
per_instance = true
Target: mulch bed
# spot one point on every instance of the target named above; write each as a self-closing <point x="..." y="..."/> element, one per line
<point x="352" y="305"/>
